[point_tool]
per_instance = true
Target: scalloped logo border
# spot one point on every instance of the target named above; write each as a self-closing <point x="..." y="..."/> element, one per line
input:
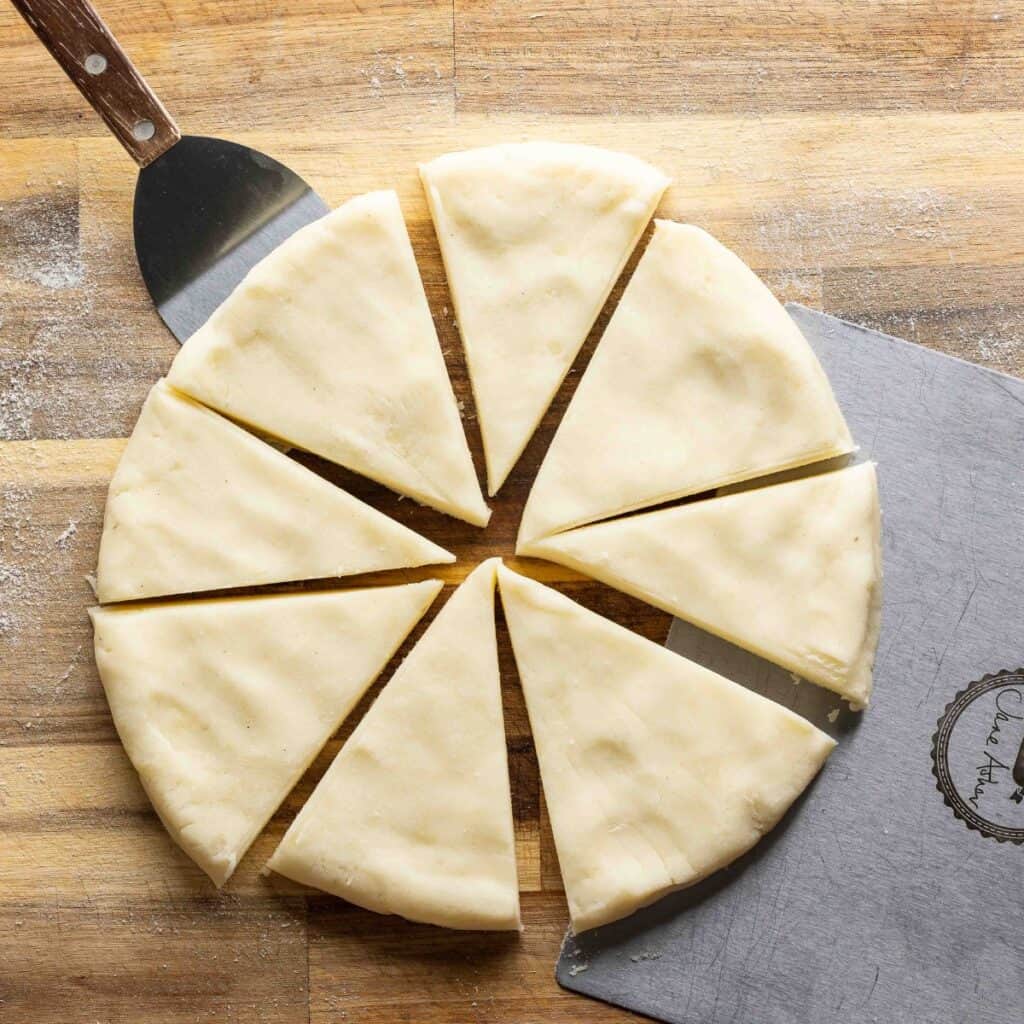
<point x="940" y="756"/>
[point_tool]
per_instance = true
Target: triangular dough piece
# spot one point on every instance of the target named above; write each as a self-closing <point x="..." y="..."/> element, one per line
<point x="328" y="344"/>
<point x="222" y="704"/>
<point x="533" y="236"/>
<point x="700" y="380"/>
<point x="656" y="772"/>
<point x="414" y="817"/>
<point x="197" y="503"/>
<point x="791" y="572"/>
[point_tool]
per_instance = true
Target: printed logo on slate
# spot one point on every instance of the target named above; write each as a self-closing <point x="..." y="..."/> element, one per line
<point x="978" y="755"/>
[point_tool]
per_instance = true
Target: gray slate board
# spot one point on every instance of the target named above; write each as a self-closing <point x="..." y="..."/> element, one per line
<point x="872" y="901"/>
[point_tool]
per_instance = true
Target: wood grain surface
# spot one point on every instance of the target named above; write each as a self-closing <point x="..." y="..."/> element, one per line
<point x="866" y="158"/>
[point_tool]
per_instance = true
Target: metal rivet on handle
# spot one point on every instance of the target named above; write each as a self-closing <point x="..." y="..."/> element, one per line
<point x="95" y="63"/>
<point x="143" y="131"/>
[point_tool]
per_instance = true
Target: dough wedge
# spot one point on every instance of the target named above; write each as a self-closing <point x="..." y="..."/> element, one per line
<point x="791" y="572"/>
<point x="701" y="380"/>
<point x="328" y="344"/>
<point x="222" y="704"/>
<point x="533" y="236"/>
<point x="414" y="816"/>
<point x="197" y="503"/>
<point x="656" y="772"/>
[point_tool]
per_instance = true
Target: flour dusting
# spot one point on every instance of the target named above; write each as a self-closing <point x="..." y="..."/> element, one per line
<point x="41" y="236"/>
<point x="38" y="558"/>
<point x="47" y="303"/>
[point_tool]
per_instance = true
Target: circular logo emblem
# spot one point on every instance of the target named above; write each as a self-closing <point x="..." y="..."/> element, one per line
<point x="978" y="754"/>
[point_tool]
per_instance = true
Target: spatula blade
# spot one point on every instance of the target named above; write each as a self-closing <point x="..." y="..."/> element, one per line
<point x="206" y="212"/>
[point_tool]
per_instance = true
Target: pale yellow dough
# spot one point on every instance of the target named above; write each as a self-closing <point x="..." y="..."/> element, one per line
<point x="414" y="817"/>
<point x="700" y="380"/>
<point x="533" y="237"/>
<point x="656" y="771"/>
<point x="791" y="572"/>
<point x="222" y="704"/>
<point x="197" y="503"/>
<point x="329" y="345"/>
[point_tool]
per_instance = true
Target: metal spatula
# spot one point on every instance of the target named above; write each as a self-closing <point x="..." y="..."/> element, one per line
<point x="206" y="210"/>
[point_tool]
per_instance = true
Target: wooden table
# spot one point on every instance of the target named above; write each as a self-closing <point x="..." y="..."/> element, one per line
<point x="867" y="158"/>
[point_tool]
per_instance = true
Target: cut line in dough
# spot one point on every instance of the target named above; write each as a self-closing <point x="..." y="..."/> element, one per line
<point x="701" y="380"/>
<point x="197" y="503"/>
<point x="222" y="704"/>
<point x="328" y="344"/>
<point x="656" y="771"/>
<point x="791" y="571"/>
<point x="533" y="236"/>
<point x="414" y="816"/>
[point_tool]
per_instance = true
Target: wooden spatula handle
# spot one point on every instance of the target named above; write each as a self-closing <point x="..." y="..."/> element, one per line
<point x="84" y="47"/>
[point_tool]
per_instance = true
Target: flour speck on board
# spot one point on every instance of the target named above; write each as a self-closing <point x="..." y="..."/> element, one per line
<point x="67" y="673"/>
<point x="644" y="957"/>
<point x="67" y="535"/>
<point x="385" y="71"/>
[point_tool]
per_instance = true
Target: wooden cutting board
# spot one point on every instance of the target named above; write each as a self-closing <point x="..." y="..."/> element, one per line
<point x="868" y="159"/>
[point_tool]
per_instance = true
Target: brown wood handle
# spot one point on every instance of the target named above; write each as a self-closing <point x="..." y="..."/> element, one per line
<point x="83" y="46"/>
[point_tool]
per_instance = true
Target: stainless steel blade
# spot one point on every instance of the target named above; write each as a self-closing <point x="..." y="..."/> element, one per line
<point x="206" y="212"/>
